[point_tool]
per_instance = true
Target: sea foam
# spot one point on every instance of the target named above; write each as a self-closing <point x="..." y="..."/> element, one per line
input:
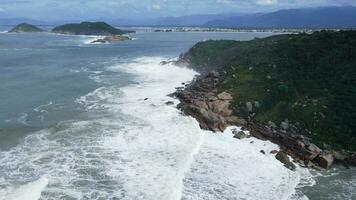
<point x="137" y="147"/>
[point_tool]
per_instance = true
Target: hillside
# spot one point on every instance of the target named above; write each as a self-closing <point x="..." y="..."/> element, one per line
<point x="325" y="17"/>
<point x="304" y="83"/>
<point x="24" y="27"/>
<point x="89" y="28"/>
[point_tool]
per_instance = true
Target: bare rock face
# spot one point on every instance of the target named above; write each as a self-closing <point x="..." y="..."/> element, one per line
<point x="201" y="101"/>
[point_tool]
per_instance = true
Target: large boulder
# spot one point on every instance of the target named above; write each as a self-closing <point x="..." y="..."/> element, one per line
<point x="313" y="151"/>
<point x="324" y="160"/>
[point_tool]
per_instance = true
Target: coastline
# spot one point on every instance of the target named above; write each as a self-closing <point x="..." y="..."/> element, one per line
<point x="202" y="100"/>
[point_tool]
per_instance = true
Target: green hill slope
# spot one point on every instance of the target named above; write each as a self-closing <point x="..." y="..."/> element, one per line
<point x="89" y="28"/>
<point x="24" y="27"/>
<point x="305" y="82"/>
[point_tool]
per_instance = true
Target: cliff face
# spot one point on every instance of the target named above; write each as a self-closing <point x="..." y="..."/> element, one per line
<point x="295" y="90"/>
<point x="24" y="27"/>
<point x="89" y="28"/>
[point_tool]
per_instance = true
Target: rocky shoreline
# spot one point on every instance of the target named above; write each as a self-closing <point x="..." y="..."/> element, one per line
<point x="202" y="100"/>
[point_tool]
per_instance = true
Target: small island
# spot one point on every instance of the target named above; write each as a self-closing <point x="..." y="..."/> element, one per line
<point x="94" y="28"/>
<point x="25" y="28"/>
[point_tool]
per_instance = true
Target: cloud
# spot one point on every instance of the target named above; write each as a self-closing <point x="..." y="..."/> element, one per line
<point x="266" y="2"/>
<point x="156" y="7"/>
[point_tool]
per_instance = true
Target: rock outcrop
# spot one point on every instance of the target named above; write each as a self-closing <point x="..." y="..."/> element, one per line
<point x="203" y="101"/>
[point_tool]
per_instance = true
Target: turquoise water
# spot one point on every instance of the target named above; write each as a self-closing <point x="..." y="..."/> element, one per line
<point x="84" y="121"/>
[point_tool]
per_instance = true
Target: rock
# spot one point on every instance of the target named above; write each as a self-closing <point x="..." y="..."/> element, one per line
<point x="168" y="103"/>
<point x="283" y="158"/>
<point x="263" y="152"/>
<point x="233" y="120"/>
<point x="313" y="151"/>
<point x="285" y="124"/>
<point x="257" y="104"/>
<point x="324" y="160"/>
<point x="221" y="107"/>
<point x="249" y="106"/>
<point x="274" y="152"/>
<point x="338" y="156"/>
<point x="102" y="41"/>
<point x="145" y="99"/>
<point x="164" y="62"/>
<point x="239" y="134"/>
<point x="272" y="124"/>
<point x="351" y="159"/>
<point x="225" y="96"/>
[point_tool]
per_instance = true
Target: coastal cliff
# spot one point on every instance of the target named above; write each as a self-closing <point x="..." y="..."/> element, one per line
<point x="294" y="90"/>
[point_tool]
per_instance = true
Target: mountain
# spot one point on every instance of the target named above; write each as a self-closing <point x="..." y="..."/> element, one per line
<point x="24" y="27"/>
<point x="89" y="28"/>
<point x="323" y="17"/>
<point x="189" y="20"/>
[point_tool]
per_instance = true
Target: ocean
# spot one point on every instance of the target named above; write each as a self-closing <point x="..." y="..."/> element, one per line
<point x="85" y="121"/>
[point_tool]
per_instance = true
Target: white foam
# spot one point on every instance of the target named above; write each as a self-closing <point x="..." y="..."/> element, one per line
<point x="91" y="39"/>
<point x="30" y="191"/>
<point x="143" y="149"/>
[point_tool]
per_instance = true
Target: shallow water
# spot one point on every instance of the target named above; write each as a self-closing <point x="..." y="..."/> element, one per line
<point x="84" y="121"/>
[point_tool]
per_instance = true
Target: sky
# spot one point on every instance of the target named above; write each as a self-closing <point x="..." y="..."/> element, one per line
<point x="138" y="9"/>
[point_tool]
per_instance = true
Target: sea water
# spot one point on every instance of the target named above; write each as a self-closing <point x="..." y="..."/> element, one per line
<point x="89" y="121"/>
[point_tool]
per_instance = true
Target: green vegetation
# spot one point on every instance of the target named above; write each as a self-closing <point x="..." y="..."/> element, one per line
<point x="24" y="27"/>
<point x="308" y="79"/>
<point x="89" y="28"/>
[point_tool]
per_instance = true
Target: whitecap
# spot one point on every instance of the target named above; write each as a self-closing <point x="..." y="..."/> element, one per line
<point x="29" y="191"/>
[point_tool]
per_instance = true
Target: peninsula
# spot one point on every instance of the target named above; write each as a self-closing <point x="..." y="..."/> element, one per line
<point x="297" y="90"/>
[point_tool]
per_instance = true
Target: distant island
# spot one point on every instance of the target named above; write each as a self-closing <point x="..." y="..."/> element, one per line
<point x="89" y="28"/>
<point x="25" y="28"/>
<point x="94" y="28"/>
<point x="297" y="90"/>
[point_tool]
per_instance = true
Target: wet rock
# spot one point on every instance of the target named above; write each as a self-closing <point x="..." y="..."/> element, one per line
<point x="283" y="158"/>
<point x="274" y="151"/>
<point x="239" y="134"/>
<point x="102" y="41"/>
<point x="168" y="103"/>
<point x="324" y="160"/>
